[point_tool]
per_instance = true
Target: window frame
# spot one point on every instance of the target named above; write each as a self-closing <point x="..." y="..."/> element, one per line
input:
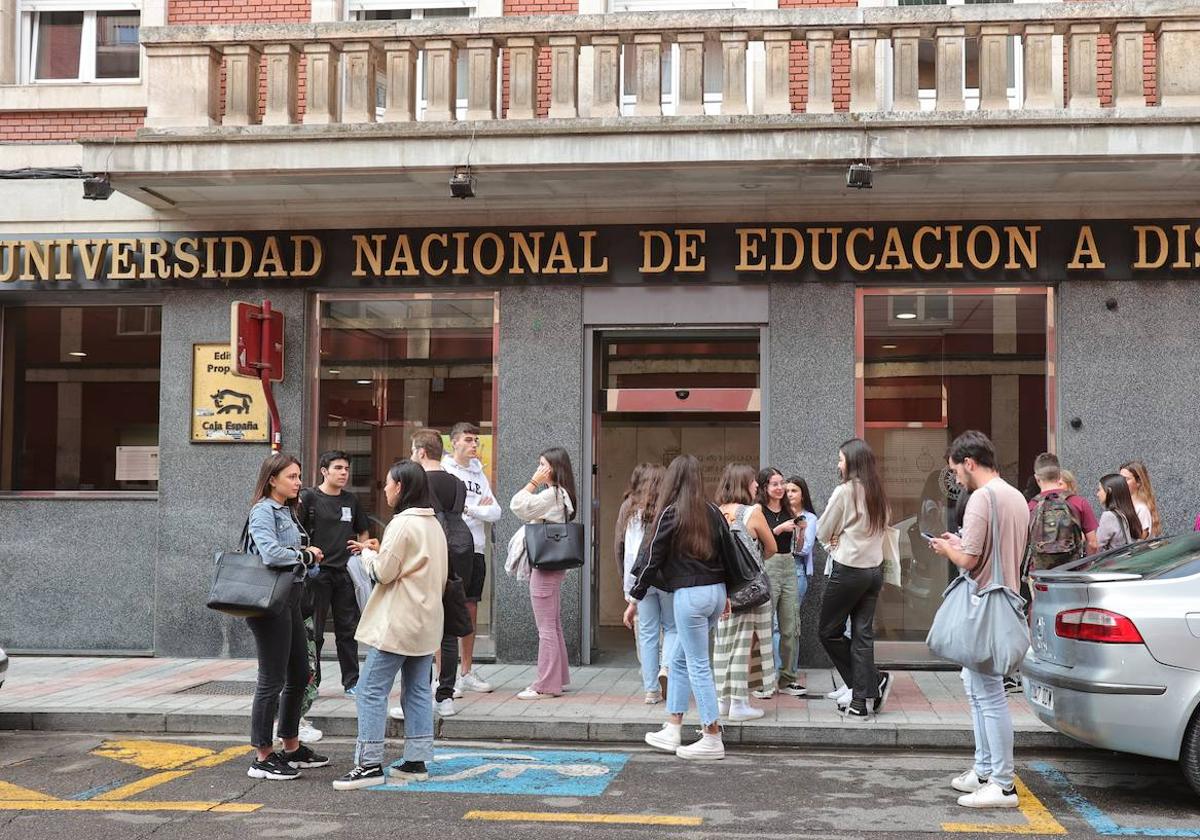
<point x="57" y="302"/>
<point x="29" y="14"/>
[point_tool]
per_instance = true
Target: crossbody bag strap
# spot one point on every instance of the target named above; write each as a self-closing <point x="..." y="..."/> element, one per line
<point x="245" y="543"/>
<point x="995" y="528"/>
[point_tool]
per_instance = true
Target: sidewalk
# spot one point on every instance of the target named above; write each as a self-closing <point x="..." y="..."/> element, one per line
<point x="212" y="696"/>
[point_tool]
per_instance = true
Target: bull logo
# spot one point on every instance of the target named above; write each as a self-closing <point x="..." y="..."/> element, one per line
<point x="232" y="402"/>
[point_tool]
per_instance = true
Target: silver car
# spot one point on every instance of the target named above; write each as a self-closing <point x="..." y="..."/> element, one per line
<point x="1115" y="655"/>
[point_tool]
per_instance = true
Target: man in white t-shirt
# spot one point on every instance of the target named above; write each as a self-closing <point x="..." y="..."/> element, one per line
<point x="991" y="782"/>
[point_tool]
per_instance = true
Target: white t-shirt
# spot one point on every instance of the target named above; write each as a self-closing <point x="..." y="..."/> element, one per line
<point x="1143" y="512"/>
<point x="635" y="531"/>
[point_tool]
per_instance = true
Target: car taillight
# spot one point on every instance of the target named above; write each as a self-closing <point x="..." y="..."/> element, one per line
<point x="1090" y="625"/>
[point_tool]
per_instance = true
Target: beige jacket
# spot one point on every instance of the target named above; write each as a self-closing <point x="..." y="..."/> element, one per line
<point x="845" y="517"/>
<point x="404" y="613"/>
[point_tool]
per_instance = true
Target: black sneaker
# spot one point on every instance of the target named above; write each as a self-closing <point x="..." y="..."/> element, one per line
<point x="304" y="757"/>
<point x="273" y="767"/>
<point x="885" y="688"/>
<point x="857" y="710"/>
<point x="794" y="689"/>
<point x="409" y="771"/>
<point x="361" y="776"/>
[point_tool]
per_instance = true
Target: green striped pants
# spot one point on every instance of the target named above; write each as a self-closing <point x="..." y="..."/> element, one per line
<point x="742" y="656"/>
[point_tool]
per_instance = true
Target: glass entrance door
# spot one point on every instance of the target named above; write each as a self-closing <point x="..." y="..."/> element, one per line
<point x="933" y="363"/>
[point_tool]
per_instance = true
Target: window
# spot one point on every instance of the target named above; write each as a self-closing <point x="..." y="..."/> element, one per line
<point x="80" y="398"/>
<point x="80" y="41"/>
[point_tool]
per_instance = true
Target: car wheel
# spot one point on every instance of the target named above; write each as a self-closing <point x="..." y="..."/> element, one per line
<point x="1189" y="753"/>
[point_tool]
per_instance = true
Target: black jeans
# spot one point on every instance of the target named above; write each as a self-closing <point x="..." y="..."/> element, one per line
<point x="449" y="671"/>
<point x="852" y="592"/>
<point x="282" y="672"/>
<point x="333" y="597"/>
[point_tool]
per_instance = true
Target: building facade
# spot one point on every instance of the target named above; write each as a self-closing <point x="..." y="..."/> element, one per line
<point x="661" y="256"/>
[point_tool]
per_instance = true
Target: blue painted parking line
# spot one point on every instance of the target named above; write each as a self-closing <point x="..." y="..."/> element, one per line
<point x="518" y="772"/>
<point x="1100" y="822"/>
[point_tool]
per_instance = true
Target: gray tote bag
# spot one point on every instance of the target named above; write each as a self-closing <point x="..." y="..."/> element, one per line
<point x="983" y="630"/>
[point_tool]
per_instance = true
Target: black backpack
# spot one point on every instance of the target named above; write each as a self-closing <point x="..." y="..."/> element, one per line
<point x="459" y="542"/>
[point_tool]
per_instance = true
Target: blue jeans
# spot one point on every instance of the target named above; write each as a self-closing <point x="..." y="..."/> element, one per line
<point x="656" y="612"/>
<point x="375" y="681"/>
<point x="697" y="609"/>
<point x="992" y="721"/>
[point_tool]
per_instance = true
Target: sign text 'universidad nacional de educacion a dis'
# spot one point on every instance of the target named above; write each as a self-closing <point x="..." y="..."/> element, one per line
<point x="1045" y="251"/>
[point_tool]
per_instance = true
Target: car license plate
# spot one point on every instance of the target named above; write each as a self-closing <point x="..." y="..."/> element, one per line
<point x="1041" y="695"/>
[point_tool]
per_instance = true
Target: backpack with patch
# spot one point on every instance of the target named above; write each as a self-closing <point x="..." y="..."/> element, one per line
<point x="460" y="544"/>
<point x="1055" y="533"/>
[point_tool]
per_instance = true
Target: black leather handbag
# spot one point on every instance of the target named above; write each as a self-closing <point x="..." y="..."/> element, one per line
<point x="746" y="580"/>
<point x="553" y="546"/>
<point x="245" y="587"/>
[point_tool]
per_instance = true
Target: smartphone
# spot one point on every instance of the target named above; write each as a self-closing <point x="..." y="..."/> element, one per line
<point x="929" y="536"/>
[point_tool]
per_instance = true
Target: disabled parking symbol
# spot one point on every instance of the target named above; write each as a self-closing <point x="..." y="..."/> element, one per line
<point x="518" y="772"/>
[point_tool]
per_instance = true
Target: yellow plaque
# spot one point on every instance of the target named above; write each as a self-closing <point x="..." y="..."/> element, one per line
<point x="225" y="408"/>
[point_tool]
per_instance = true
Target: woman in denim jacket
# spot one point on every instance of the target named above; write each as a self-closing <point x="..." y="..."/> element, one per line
<point x="275" y="536"/>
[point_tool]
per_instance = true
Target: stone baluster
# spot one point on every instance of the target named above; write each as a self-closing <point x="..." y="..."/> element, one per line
<point x="820" y="71"/>
<point x="323" y="85"/>
<point x="1178" y="52"/>
<point x="564" y="76"/>
<point x="1129" y="84"/>
<point x="777" y="96"/>
<point x="993" y="67"/>
<point x="281" y="100"/>
<point x="1083" y="87"/>
<point x="241" y="84"/>
<point x="863" y="97"/>
<point x="1038" y="50"/>
<point x="950" y="53"/>
<point x="183" y="86"/>
<point x="906" y="69"/>
<point x="481" y="79"/>
<point x="522" y="78"/>
<point x="441" y="80"/>
<point x="606" y="76"/>
<point x="691" y="73"/>
<point x="733" y="58"/>
<point x="362" y="69"/>
<point x="648" y="74"/>
<point x="400" y="67"/>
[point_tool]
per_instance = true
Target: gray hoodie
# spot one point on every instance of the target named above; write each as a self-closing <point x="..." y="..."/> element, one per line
<point x="478" y="488"/>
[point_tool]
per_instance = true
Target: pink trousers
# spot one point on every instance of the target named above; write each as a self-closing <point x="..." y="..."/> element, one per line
<point x="545" y="591"/>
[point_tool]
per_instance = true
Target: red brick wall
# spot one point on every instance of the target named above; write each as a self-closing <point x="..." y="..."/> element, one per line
<point x="799" y="61"/>
<point x="514" y="8"/>
<point x="236" y="11"/>
<point x="1104" y="78"/>
<point x="65" y="126"/>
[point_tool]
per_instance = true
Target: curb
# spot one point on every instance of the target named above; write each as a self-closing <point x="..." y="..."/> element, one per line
<point x="464" y="728"/>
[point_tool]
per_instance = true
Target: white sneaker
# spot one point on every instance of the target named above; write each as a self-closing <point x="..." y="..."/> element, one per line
<point x="722" y="708"/>
<point x="530" y="694"/>
<point x="445" y="708"/>
<point x="763" y="693"/>
<point x="991" y="795"/>
<point x="740" y="710"/>
<point x="833" y="695"/>
<point x="471" y="682"/>
<point x="653" y="697"/>
<point x="396" y="713"/>
<point x="666" y="739"/>
<point x="708" y="748"/>
<point x="308" y="732"/>
<point x="844" y="696"/>
<point x="967" y="782"/>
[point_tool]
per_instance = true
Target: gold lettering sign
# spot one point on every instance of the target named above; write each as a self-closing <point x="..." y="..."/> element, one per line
<point x="225" y="408"/>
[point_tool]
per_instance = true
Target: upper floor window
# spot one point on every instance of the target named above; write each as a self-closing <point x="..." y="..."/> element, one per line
<point x="80" y="40"/>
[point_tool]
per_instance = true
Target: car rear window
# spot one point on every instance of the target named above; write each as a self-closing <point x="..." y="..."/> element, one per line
<point x="1164" y="557"/>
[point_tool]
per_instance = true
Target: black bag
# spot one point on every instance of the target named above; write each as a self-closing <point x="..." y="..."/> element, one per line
<point x="456" y="619"/>
<point x="460" y="544"/>
<point x="747" y="581"/>
<point x="245" y="587"/>
<point x="553" y="546"/>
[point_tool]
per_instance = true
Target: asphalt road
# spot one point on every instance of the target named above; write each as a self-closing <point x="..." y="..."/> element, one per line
<point x="95" y="787"/>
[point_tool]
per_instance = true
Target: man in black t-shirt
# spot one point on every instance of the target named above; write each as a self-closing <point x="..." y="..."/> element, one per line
<point x="333" y="516"/>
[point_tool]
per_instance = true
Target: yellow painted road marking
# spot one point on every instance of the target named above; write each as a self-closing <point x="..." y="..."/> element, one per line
<point x="221" y="757"/>
<point x="1038" y="818"/>
<point x="607" y="819"/>
<point x="152" y="755"/>
<point x="134" y="788"/>
<point x="10" y="791"/>
<point x="93" y="805"/>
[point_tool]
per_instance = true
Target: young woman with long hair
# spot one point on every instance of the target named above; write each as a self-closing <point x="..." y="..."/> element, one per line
<point x="549" y="496"/>
<point x="804" y="540"/>
<point x="855" y="520"/>
<point x="275" y="535"/>
<point x="402" y="626"/>
<point x="742" y="654"/>
<point x="655" y="619"/>
<point x="686" y="556"/>
<point x="1138" y="478"/>
<point x="1119" y="524"/>
<point x="776" y="508"/>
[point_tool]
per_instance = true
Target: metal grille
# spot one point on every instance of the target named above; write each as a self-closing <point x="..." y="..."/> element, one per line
<point x="233" y="688"/>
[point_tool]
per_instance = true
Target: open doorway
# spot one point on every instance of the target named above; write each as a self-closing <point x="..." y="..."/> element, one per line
<point x="659" y="394"/>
